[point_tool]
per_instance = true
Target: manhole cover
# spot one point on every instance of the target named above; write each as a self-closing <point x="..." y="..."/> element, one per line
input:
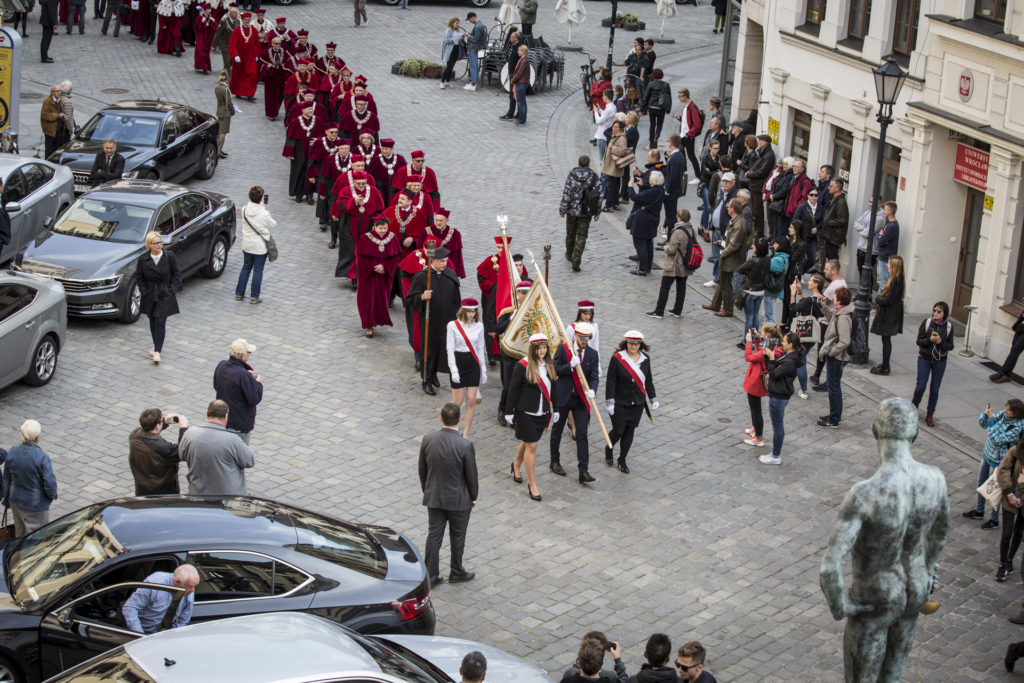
<point x="32" y="96"/>
<point x="725" y="420"/>
<point x="114" y="91"/>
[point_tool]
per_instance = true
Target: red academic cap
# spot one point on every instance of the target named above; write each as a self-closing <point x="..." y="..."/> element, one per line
<point x="302" y="32"/>
<point x="247" y="15"/>
<point x="345" y="68"/>
<point x="414" y="178"/>
<point x="360" y="175"/>
<point x="260" y="12"/>
<point x="331" y="46"/>
<point x="585" y="305"/>
<point x="387" y="142"/>
<point x="524" y="284"/>
<point x="343" y="141"/>
<point x="380" y="218"/>
<point x="470" y="302"/>
<point x="497" y="240"/>
<point x="280" y="20"/>
<point x="360" y="79"/>
<point x="357" y="158"/>
<point x="362" y="98"/>
<point x="442" y="212"/>
<point x="418" y="154"/>
<point x="331" y="125"/>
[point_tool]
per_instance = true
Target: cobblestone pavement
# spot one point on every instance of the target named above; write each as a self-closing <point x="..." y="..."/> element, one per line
<point x="699" y="541"/>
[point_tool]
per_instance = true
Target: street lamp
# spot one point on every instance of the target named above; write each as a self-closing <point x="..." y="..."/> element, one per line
<point x="611" y="33"/>
<point x="889" y="78"/>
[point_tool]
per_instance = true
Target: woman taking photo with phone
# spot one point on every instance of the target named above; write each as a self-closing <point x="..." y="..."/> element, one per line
<point x="758" y="347"/>
<point x="934" y="342"/>
<point x="629" y="392"/>
<point x="810" y="305"/>
<point x="256" y="232"/>
<point x="781" y="373"/>
<point x="529" y="395"/>
<point x="466" y="358"/>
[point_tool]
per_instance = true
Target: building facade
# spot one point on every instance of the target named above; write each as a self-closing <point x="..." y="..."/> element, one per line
<point x="952" y="159"/>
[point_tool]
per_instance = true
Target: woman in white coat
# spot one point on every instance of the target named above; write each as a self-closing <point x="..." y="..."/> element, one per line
<point x="256" y="230"/>
<point x="467" y="361"/>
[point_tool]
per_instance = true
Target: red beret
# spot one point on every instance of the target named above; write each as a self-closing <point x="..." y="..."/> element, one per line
<point x="497" y="240"/>
<point x="360" y="175"/>
<point x="260" y="12"/>
<point x="362" y="98"/>
<point x="331" y="46"/>
<point x="356" y="158"/>
<point x="345" y="68"/>
<point x="585" y="305"/>
<point x="302" y="32"/>
<point x="470" y="302"/>
<point x="418" y="155"/>
<point x="442" y="212"/>
<point x="247" y="15"/>
<point x="360" y="79"/>
<point x="414" y="178"/>
<point x="343" y="141"/>
<point x="387" y="142"/>
<point x="524" y="284"/>
<point x="280" y="20"/>
<point x="331" y="125"/>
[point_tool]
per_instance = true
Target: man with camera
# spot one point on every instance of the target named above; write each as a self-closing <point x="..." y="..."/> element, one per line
<point x="590" y="658"/>
<point x="152" y="458"/>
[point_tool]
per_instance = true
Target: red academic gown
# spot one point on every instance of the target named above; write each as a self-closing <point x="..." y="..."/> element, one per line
<point x="205" y="27"/>
<point x="298" y="136"/>
<point x="399" y="180"/>
<point x="359" y="222"/>
<point x="298" y="81"/>
<point x="373" y="291"/>
<point x="139" y="18"/>
<point x="325" y="87"/>
<point x="245" y="44"/>
<point x="287" y="37"/>
<point x="310" y="48"/>
<point x="353" y="127"/>
<point x="423" y="204"/>
<point x="168" y="36"/>
<point x="383" y="170"/>
<point x="450" y="239"/>
<point x="321" y="155"/>
<point x="295" y="111"/>
<point x="323" y="61"/>
<point x="409" y="266"/>
<point x="347" y="104"/>
<point x="406" y="224"/>
<point x="275" y="69"/>
<point x="339" y="93"/>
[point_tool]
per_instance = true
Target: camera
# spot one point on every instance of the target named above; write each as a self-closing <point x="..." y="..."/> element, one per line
<point x="168" y="419"/>
<point x="610" y="646"/>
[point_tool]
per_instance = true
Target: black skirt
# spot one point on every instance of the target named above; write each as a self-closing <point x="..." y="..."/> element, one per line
<point x="530" y="428"/>
<point x="469" y="370"/>
<point x="627" y="416"/>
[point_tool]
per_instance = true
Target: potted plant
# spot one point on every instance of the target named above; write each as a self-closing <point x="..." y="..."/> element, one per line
<point x="627" y="22"/>
<point x="414" y="67"/>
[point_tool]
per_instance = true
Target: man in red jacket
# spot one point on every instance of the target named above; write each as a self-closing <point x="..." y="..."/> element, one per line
<point x="799" y="187"/>
<point x="689" y="128"/>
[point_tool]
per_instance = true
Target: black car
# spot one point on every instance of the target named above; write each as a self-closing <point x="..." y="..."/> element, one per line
<point x="93" y="247"/>
<point x="66" y="582"/>
<point x="158" y="140"/>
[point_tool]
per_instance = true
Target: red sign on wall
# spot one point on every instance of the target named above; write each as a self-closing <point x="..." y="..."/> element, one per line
<point x="971" y="167"/>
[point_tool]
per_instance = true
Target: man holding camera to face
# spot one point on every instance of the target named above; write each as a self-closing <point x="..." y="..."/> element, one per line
<point x="590" y="659"/>
<point x="152" y="458"/>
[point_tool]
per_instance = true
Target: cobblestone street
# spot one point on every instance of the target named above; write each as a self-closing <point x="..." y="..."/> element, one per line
<point x="699" y="541"/>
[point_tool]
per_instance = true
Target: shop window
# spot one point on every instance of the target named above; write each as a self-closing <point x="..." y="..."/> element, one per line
<point x="992" y="10"/>
<point x="904" y="35"/>
<point x="842" y="154"/>
<point x="860" y="18"/>
<point x="801" y="138"/>
<point x="890" y="172"/>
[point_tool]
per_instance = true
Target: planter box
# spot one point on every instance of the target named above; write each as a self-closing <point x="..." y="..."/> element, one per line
<point x="395" y="68"/>
<point x="432" y="72"/>
<point x="638" y="26"/>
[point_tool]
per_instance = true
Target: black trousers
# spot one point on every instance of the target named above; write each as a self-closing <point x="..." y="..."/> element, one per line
<point x="861" y="256"/>
<point x="511" y="99"/>
<point x="527" y="29"/>
<point x="99" y="8"/>
<point x="346" y="247"/>
<point x="670" y="202"/>
<point x="1015" y="350"/>
<point x="756" y="416"/>
<point x="44" y="43"/>
<point x="666" y="285"/>
<point x="449" y="68"/>
<point x="1009" y="541"/>
<point x="657" y="120"/>
<point x="112" y="11"/>
<point x="689" y="152"/>
<point x="645" y="251"/>
<point x="581" y="416"/>
<point x="457" y="522"/>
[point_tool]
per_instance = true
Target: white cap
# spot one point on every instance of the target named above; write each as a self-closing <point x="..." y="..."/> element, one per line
<point x="538" y="338"/>
<point x="240" y="346"/>
<point x="634" y="335"/>
<point x="585" y="329"/>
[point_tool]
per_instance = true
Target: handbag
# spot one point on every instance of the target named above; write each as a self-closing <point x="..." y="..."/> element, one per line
<point x="625" y="160"/>
<point x="765" y="377"/>
<point x="270" y="242"/>
<point x="777" y="205"/>
<point x="807" y="328"/>
<point x="6" y="530"/>
<point x="990" y="491"/>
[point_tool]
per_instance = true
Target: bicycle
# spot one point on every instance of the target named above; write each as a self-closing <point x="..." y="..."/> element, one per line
<point x="631" y="91"/>
<point x="588" y="76"/>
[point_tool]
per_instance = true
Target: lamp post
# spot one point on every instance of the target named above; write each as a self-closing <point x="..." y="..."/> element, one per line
<point x="611" y="33"/>
<point x="889" y="78"/>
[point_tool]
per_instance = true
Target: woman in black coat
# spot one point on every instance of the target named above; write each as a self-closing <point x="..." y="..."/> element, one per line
<point x="159" y="279"/>
<point x="889" y="316"/>
<point x="529" y="399"/>
<point x="643" y="221"/>
<point x="624" y="398"/>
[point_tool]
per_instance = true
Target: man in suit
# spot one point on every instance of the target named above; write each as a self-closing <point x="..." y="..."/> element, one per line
<point x="675" y="167"/>
<point x="225" y="110"/>
<point x="108" y="164"/>
<point x="449" y="481"/>
<point x="511" y="60"/>
<point x="222" y="36"/>
<point x="48" y="19"/>
<point x="569" y="396"/>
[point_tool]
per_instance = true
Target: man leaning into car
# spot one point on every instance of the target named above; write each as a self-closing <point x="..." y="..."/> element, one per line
<point x="149" y="610"/>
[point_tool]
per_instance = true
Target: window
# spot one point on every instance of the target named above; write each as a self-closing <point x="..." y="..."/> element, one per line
<point x="189" y="207"/>
<point x="904" y="35"/>
<point x="184" y="120"/>
<point x="34" y="177"/>
<point x="890" y="172"/>
<point x="842" y="153"/>
<point x="993" y="10"/>
<point x="227" y="575"/>
<point x="801" y="143"/>
<point x="860" y="18"/>
<point x="170" y="128"/>
<point x="14" y="187"/>
<point x="14" y="298"/>
<point x="815" y="11"/>
<point x="165" y="223"/>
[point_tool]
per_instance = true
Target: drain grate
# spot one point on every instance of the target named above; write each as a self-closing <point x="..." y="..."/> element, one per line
<point x="115" y="91"/>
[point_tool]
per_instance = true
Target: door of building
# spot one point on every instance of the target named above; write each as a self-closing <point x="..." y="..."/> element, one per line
<point x="967" y="259"/>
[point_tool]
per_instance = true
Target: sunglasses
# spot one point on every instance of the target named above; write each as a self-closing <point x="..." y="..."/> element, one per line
<point x="684" y="668"/>
<point x="813" y="194"/>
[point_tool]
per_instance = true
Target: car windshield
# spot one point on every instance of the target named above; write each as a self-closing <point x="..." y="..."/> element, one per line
<point x="126" y="128"/>
<point x="55" y="556"/>
<point x="399" y="661"/>
<point x="337" y="543"/>
<point x="105" y="220"/>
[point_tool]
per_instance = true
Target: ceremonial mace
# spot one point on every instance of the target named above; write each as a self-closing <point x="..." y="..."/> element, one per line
<point x="426" y="316"/>
<point x="579" y="370"/>
<point x="547" y="261"/>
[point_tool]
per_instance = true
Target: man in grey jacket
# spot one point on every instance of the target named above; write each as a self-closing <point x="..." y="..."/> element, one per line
<point x="476" y="41"/>
<point x="450" y="486"/>
<point x="216" y="456"/>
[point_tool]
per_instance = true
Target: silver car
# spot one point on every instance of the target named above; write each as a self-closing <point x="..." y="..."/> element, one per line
<point x="35" y="192"/>
<point x="33" y="322"/>
<point x="295" y="648"/>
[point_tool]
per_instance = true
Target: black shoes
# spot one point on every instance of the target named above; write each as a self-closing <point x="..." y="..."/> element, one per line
<point x="533" y="497"/>
<point x="990" y="524"/>
<point x="556" y="467"/>
<point x="879" y="370"/>
<point x="428" y="389"/>
<point x="461" y="577"/>
<point x="1004" y="571"/>
<point x="501" y="419"/>
<point x="436" y="581"/>
<point x="585" y="478"/>
<point x="973" y="514"/>
<point x="608" y="459"/>
<point x="654" y="314"/>
<point x="333" y="244"/>
<point x="506" y="117"/>
<point x="47" y="60"/>
<point x="820" y="387"/>
<point x="435" y="382"/>
<point x="518" y="480"/>
<point x="638" y="272"/>
<point x="622" y="467"/>
<point x="634" y="257"/>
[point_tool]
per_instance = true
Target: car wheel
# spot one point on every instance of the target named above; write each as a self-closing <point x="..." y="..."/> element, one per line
<point x="208" y="164"/>
<point x="285" y="2"/>
<point x="218" y="258"/>
<point x="391" y="2"/>
<point x="133" y="303"/>
<point x="480" y="3"/>
<point x="9" y="673"/>
<point x="41" y="371"/>
<point x="148" y="175"/>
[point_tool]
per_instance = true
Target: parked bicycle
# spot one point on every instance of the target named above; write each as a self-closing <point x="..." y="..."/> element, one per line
<point x="631" y="92"/>
<point x="588" y="77"/>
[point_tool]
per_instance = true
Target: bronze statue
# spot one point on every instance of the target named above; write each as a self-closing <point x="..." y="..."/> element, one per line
<point x="896" y="523"/>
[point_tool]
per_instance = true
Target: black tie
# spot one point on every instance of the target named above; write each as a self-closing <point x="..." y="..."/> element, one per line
<point x="171" y="612"/>
<point x="108" y="163"/>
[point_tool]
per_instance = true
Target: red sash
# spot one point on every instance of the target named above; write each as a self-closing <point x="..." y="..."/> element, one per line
<point x="543" y="387"/>
<point x="576" y="379"/>
<point x="632" y="373"/>
<point x="458" y="326"/>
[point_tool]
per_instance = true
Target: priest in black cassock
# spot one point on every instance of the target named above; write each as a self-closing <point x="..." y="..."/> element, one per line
<point x="441" y="302"/>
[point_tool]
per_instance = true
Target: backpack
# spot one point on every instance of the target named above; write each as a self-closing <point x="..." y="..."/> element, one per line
<point x="665" y="98"/>
<point x="694" y="254"/>
<point x="700" y="113"/>
<point x="774" y="282"/>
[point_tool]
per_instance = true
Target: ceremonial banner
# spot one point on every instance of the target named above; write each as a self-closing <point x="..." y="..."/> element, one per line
<point x="508" y="278"/>
<point x="535" y="314"/>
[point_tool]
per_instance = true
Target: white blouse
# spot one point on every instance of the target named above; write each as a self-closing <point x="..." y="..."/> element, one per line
<point x="456" y="343"/>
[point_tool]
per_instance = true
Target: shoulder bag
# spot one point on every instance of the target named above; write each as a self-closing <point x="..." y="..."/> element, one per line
<point x="625" y="160"/>
<point x="6" y="530"/>
<point x="807" y="328"/>
<point x="271" y="243"/>
<point x="990" y="490"/>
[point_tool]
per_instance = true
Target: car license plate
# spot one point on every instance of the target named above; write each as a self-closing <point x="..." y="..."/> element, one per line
<point x="81" y="188"/>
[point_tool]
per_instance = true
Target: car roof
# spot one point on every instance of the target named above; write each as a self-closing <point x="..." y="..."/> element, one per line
<point x="145" y="106"/>
<point x="10" y="276"/>
<point x="11" y="161"/>
<point x="265" y="647"/>
<point x="151" y="193"/>
<point x="159" y="523"/>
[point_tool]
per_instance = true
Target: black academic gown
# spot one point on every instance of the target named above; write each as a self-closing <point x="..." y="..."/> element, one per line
<point x="444" y="304"/>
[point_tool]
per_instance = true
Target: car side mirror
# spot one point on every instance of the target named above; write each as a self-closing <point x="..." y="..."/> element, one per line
<point x="13" y="207"/>
<point x="65" y="619"/>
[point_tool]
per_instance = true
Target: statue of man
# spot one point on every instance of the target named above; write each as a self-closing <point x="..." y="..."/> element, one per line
<point x="896" y="523"/>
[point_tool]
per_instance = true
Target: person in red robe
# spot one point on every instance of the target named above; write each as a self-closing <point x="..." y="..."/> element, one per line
<point x="367" y="147"/>
<point x="261" y="25"/>
<point x="417" y="167"/>
<point x="355" y="122"/>
<point x="377" y="258"/>
<point x="170" y="15"/>
<point x="276" y="67"/>
<point x="446" y="236"/>
<point x="359" y="204"/>
<point x="328" y="82"/>
<point x="383" y="166"/>
<point x="301" y="132"/>
<point x="302" y="44"/>
<point x="348" y="103"/>
<point x="406" y="220"/>
<point x="286" y="35"/>
<point x="244" y="49"/>
<point x="420" y="200"/>
<point x="205" y="27"/>
<point x="335" y="165"/>
<point x="344" y="184"/>
<point x="221" y="7"/>
<point x="306" y="98"/>
<point x="327" y="58"/>
<point x="304" y="78"/>
<point x="321" y="154"/>
<point x="138" y="20"/>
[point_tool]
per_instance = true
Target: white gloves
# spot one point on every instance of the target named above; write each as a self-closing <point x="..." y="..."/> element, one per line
<point x="554" y="417"/>
<point x="575" y="362"/>
<point x="610" y="404"/>
<point x="455" y="378"/>
<point x="238" y="59"/>
<point x="483" y="380"/>
<point x="590" y="393"/>
<point x="509" y="418"/>
<point x="655" y="404"/>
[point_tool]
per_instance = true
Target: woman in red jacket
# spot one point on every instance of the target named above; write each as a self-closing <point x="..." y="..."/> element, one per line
<point x="768" y="341"/>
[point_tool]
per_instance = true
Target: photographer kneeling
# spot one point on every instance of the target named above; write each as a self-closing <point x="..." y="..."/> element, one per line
<point x="152" y="458"/>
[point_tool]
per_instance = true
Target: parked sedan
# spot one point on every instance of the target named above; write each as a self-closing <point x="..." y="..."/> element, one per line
<point x="158" y="140"/>
<point x="68" y="580"/>
<point x="33" y="320"/>
<point x="35" y="192"/>
<point x="273" y="648"/>
<point x="94" y="246"/>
